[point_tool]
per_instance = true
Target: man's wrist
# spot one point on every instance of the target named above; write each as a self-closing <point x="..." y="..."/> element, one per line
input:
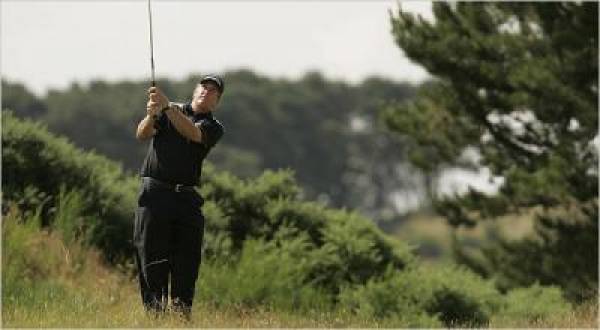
<point x="170" y="106"/>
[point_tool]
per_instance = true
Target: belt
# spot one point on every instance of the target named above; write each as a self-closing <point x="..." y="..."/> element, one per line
<point x="175" y="187"/>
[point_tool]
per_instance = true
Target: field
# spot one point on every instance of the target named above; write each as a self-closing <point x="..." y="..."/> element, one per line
<point x="50" y="283"/>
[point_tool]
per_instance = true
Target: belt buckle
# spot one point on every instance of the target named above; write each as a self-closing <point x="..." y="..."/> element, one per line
<point x="178" y="187"/>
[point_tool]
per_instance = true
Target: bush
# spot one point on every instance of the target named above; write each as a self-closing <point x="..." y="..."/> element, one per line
<point x="343" y="247"/>
<point x="37" y="165"/>
<point x="448" y="294"/>
<point x="242" y="202"/>
<point x="535" y="303"/>
<point x="42" y="170"/>
<point x="265" y="245"/>
<point x="265" y="274"/>
<point x="346" y="248"/>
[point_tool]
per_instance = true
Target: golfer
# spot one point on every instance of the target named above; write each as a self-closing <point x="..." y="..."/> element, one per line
<point x="169" y="224"/>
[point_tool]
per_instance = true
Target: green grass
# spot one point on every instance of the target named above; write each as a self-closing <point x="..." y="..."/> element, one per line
<point x="118" y="305"/>
<point x="49" y="283"/>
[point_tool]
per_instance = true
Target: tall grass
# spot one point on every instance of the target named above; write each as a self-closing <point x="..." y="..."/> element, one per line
<point x="44" y="286"/>
<point x="50" y="279"/>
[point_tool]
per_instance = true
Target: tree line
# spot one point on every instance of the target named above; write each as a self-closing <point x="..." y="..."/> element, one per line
<point x="327" y="132"/>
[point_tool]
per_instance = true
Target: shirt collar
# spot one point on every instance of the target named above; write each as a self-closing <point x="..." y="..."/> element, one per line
<point x="187" y="108"/>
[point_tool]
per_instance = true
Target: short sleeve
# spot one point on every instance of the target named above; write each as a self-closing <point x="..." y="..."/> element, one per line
<point x="211" y="130"/>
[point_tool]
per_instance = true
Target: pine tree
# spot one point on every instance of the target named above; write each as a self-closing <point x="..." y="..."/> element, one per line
<point x="518" y="84"/>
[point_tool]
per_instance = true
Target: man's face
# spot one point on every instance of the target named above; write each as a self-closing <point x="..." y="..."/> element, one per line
<point x="206" y="96"/>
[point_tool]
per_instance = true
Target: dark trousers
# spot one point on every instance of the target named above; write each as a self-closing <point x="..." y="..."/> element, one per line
<point x="168" y="232"/>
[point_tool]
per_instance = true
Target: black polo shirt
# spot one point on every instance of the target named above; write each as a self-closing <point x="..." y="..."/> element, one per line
<point x="175" y="159"/>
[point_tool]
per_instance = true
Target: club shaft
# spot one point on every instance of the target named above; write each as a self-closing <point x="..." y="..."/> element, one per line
<point x="151" y="44"/>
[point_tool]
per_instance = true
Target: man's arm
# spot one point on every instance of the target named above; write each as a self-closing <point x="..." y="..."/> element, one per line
<point x="183" y="124"/>
<point x="145" y="129"/>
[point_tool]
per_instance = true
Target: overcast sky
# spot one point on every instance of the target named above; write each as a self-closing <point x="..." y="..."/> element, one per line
<point x="49" y="44"/>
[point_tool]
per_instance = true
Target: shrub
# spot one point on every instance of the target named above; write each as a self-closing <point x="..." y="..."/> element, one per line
<point x="265" y="274"/>
<point x="534" y="303"/>
<point x="36" y="164"/>
<point x="447" y="294"/>
<point x="342" y="246"/>
<point x="40" y="168"/>
<point x="346" y="248"/>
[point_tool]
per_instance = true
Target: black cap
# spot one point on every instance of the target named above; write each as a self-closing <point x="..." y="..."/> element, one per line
<point x="217" y="80"/>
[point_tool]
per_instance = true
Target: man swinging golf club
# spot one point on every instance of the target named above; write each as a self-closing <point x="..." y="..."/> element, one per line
<point x="169" y="224"/>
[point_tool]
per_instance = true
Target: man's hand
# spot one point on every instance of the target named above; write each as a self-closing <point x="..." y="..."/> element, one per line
<point x="156" y="101"/>
<point x="152" y="109"/>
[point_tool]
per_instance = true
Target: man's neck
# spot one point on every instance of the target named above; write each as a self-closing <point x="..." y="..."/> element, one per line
<point x="201" y="110"/>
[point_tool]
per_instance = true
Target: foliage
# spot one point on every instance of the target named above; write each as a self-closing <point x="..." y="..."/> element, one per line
<point x="267" y="249"/>
<point x="306" y="124"/>
<point x="306" y="261"/>
<point x="25" y="104"/>
<point x="541" y="258"/>
<point x="88" y="197"/>
<point x="517" y="83"/>
<point x="48" y="282"/>
<point x="36" y="165"/>
<point x="534" y="303"/>
<point x="343" y="247"/>
<point x="68" y="218"/>
<point x="265" y="274"/>
<point x="449" y="295"/>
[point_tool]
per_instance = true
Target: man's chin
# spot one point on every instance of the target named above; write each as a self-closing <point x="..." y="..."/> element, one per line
<point x="201" y="107"/>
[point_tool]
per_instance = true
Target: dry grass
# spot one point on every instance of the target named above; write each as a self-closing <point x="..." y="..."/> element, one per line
<point x="585" y="316"/>
<point x="103" y="309"/>
<point x="71" y="288"/>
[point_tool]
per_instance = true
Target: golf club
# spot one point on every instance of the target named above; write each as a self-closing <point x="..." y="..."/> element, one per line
<point x="151" y="44"/>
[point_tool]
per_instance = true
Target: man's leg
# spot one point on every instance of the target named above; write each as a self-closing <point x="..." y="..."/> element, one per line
<point x="185" y="259"/>
<point x="151" y="239"/>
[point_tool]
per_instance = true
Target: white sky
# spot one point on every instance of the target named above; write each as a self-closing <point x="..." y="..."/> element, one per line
<point x="49" y="44"/>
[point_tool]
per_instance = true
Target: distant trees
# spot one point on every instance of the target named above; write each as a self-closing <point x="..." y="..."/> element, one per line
<point x="16" y="96"/>
<point x="518" y="84"/>
<point x="327" y="132"/>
